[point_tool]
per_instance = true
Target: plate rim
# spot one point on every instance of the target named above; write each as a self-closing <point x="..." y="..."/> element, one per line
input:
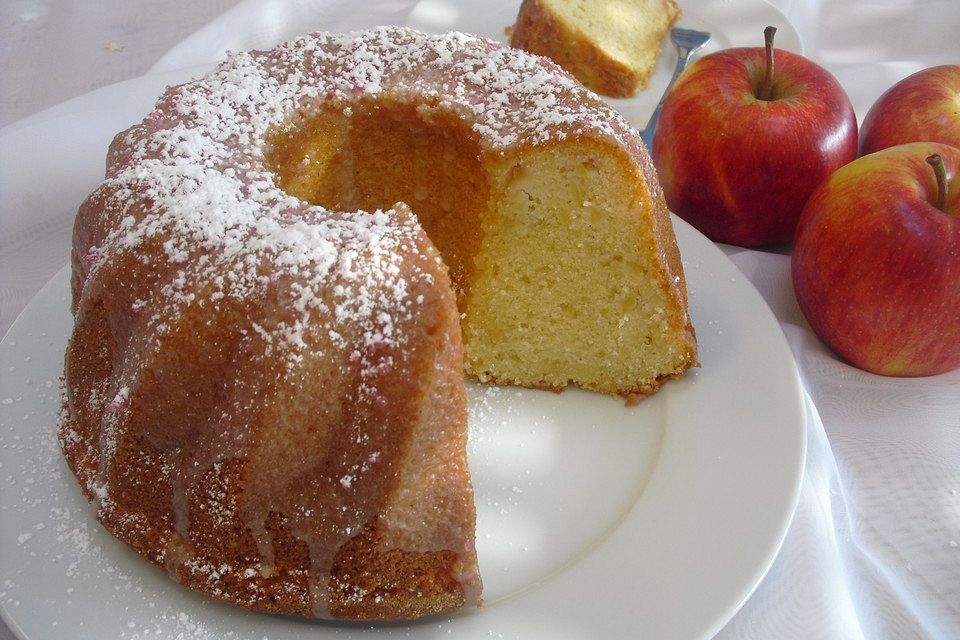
<point x="546" y="590"/>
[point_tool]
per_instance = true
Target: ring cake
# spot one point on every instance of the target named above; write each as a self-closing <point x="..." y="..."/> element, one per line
<point x="264" y="385"/>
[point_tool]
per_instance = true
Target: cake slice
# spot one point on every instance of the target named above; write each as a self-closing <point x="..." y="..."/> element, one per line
<point x="611" y="46"/>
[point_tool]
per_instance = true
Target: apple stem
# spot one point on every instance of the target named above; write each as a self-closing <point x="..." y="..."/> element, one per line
<point x="766" y="87"/>
<point x="940" y="170"/>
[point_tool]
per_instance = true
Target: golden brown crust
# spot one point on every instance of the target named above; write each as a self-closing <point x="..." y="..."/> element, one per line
<point x="220" y="555"/>
<point x="674" y="277"/>
<point x="395" y="584"/>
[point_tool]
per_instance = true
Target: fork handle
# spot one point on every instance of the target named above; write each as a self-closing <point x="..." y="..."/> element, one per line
<point x="647" y="135"/>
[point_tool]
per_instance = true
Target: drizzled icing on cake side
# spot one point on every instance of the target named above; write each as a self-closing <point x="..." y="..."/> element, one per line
<point x="190" y="203"/>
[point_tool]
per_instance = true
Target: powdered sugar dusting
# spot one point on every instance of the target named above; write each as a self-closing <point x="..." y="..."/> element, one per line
<point x="199" y="160"/>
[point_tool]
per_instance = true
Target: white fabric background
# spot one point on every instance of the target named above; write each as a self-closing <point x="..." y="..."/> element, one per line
<point x="874" y="548"/>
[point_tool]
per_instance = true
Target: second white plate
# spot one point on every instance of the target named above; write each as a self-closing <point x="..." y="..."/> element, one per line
<point x="732" y="23"/>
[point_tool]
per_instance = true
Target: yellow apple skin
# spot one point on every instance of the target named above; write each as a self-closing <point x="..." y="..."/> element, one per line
<point x="876" y="263"/>
<point x="923" y="107"/>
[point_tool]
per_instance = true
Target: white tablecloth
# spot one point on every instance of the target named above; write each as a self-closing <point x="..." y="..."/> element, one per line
<point x="874" y="547"/>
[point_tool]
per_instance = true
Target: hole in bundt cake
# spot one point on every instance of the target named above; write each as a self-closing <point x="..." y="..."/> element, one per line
<point x="375" y="154"/>
<point x="523" y="234"/>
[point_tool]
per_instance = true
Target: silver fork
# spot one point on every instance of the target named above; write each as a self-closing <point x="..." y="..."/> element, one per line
<point x="686" y="42"/>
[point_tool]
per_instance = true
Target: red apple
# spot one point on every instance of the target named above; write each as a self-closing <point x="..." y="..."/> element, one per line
<point x="921" y="107"/>
<point x="876" y="261"/>
<point x="742" y="142"/>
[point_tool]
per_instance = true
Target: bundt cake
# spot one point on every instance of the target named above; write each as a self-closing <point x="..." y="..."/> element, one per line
<point x="264" y="384"/>
<point x="611" y="46"/>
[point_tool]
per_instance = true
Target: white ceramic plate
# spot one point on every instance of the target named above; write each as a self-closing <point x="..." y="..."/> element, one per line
<point x="731" y="23"/>
<point x="595" y="520"/>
